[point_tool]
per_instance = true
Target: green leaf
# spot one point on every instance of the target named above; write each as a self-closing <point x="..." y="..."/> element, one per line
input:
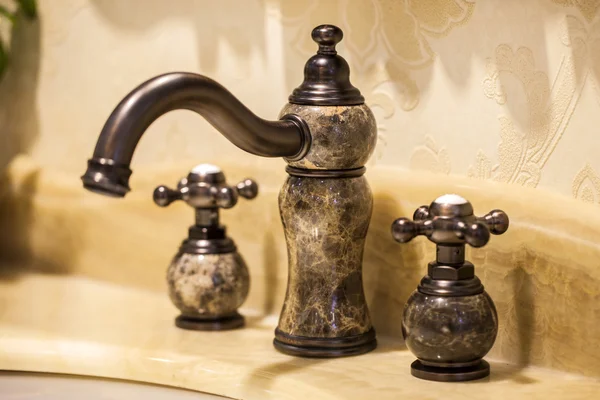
<point x="28" y="7"/>
<point x="4" y="12"/>
<point x="3" y="59"/>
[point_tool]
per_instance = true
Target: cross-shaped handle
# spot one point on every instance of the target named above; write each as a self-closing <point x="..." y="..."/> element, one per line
<point x="449" y="220"/>
<point x="205" y="187"/>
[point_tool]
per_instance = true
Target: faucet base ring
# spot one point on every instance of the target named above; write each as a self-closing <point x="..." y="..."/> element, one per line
<point x="458" y="373"/>
<point x="301" y="346"/>
<point x="234" y="321"/>
<point x="326" y="173"/>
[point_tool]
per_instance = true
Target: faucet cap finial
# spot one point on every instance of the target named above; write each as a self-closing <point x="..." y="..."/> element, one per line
<point x="326" y="74"/>
<point x="327" y="36"/>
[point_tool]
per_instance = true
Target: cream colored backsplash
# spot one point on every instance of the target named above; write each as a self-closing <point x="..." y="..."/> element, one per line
<point x="506" y="91"/>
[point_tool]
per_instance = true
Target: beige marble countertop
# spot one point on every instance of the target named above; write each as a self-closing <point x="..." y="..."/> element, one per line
<point x="74" y="325"/>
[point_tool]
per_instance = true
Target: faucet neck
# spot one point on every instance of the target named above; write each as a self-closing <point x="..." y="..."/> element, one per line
<point x="108" y="171"/>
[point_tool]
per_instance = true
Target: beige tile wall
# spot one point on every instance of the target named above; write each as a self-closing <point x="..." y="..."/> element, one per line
<point x="499" y="90"/>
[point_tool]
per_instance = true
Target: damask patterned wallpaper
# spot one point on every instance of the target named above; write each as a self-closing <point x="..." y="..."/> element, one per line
<point x="498" y="90"/>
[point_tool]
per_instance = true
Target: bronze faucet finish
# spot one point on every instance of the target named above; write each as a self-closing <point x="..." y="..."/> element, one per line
<point x="326" y="134"/>
<point x="450" y="322"/>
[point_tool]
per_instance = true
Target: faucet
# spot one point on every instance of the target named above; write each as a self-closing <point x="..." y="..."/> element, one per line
<point x="108" y="170"/>
<point x="326" y="134"/>
<point x="450" y="322"/>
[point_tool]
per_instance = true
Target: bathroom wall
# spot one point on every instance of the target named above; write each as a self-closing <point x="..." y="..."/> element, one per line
<point x="499" y="100"/>
<point x="499" y="90"/>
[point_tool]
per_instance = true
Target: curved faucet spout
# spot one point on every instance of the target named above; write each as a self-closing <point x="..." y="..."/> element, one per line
<point x="108" y="171"/>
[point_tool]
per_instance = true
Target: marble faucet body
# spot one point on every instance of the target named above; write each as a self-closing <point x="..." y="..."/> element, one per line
<point x="326" y="134"/>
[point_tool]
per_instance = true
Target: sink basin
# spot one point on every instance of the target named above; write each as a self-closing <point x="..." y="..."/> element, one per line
<point x="31" y="386"/>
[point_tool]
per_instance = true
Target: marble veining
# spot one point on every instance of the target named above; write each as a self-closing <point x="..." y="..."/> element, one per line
<point x="343" y="137"/>
<point x="442" y="329"/>
<point x="325" y="223"/>
<point x="208" y="285"/>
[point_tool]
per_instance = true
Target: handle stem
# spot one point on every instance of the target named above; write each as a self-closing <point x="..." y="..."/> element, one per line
<point x="207" y="217"/>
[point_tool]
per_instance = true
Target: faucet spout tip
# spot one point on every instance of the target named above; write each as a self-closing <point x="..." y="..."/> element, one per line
<point x="105" y="177"/>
